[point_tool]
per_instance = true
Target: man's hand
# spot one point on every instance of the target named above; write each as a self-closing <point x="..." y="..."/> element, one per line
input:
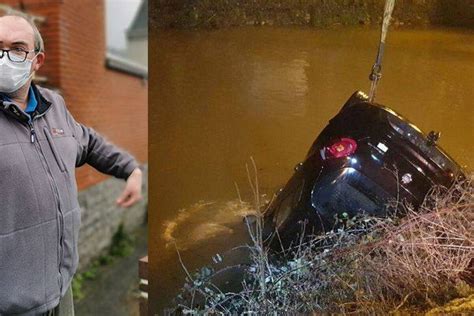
<point x="132" y="192"/>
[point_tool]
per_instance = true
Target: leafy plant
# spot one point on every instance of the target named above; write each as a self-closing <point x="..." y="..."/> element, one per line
<point x="122" y="246"/>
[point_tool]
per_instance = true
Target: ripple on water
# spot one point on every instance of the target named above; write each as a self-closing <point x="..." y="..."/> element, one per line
<point x="204" y="220"/>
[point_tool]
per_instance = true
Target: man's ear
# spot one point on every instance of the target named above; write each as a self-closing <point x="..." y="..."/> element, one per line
<point x="39" y="61"/>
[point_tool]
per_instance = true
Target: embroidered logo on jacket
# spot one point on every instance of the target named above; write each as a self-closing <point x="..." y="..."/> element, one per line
<point x="57" y="131"/>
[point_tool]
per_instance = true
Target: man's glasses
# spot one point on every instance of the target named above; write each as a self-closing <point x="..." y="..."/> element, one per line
<point x="16" y="55"/>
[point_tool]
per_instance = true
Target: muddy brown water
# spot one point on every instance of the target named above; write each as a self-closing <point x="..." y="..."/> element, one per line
<point x="220" y="97"/>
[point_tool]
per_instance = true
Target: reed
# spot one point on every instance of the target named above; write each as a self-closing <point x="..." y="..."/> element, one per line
<point x="371" y="265"/>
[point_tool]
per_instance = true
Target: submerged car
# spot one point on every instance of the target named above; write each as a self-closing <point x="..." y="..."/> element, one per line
<point x="365" y="158"/>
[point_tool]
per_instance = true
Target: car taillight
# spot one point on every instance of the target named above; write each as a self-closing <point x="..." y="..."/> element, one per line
<point x="343" y="148"/>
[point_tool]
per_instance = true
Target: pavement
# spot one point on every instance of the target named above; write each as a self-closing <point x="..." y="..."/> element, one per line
<point x="115" y="289"/>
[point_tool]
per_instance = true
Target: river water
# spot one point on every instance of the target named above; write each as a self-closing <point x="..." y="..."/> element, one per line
<point x="219" y="97"/>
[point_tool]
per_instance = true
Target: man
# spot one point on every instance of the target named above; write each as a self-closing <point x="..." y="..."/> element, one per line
<point x="40" y="146"/>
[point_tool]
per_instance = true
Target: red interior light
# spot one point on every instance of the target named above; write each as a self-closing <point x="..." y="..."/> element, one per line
<point x="342" y="148"/>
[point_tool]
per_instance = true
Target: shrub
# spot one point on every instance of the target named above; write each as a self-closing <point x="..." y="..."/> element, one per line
<point x="370" y="265"/>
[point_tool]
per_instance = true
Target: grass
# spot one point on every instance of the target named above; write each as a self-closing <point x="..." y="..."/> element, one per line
<point x="122" y="246"/>
<point x="417" y="263"/>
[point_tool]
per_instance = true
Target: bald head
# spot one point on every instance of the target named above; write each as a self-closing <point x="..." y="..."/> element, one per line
<point x="19" y="28"/>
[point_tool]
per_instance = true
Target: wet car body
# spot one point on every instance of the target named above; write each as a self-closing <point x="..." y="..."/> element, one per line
<point x="365" y="158"/>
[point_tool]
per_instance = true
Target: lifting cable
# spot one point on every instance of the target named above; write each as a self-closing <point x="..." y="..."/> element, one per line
<point x="376" y="73"/>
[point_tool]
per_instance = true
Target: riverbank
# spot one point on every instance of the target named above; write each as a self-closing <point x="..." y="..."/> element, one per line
<point x="420" y="262"/>
<point x="313" y="13"/>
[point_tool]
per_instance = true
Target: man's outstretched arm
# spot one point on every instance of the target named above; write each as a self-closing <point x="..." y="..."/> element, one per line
<point x="108" y="158"/>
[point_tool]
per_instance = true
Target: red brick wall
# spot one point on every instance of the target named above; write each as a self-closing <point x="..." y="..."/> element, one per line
<point x="113" y="103"/>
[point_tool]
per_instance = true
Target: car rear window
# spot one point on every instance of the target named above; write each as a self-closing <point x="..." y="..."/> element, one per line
<point x="348" y="191"/>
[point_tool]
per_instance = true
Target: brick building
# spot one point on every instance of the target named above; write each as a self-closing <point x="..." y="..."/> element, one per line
<point x="106" y="93"/>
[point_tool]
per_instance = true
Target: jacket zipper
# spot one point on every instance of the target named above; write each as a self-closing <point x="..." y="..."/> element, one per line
<point x="30" y="125"/>
<point x="32" y="131"/>
<point x="56" y="193"/>
<point x="54" y="187"/>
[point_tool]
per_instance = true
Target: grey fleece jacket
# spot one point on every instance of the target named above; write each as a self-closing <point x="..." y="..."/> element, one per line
<point x="39" y="210"/>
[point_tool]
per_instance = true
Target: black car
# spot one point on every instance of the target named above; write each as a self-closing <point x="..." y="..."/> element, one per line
<point x="367" y="156"/>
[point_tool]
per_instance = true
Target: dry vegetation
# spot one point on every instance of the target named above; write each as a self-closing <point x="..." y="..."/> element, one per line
<point x="371" y="266"/>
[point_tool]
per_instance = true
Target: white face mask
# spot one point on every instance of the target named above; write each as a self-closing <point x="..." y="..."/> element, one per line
<point x="13" y="76"/>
